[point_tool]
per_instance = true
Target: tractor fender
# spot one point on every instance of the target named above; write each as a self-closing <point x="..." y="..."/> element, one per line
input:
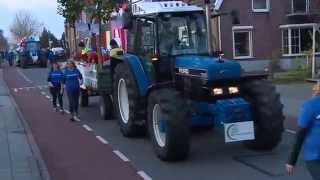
<point x="137" y="70"/>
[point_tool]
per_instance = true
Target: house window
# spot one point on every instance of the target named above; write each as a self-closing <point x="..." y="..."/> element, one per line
<point x="298" y="40"/>
<point x="260" y="5"/>
<point x="242" y="43"/>
<point x="300" y="6"/>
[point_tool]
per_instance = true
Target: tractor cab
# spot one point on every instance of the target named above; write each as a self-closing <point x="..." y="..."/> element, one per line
<point x="182" y="34"/>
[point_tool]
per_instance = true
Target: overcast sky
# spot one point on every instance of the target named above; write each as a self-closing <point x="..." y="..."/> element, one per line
<point x="44" y="10"/>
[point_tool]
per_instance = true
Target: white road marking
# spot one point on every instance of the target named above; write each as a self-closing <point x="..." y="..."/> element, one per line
<point x="20" y="88"/>
<point x="121" y="156"/>
<point x="291" y="131"/>
<point x="87" y="127"/>
<point x="24" y="76"/>
<point x="15" y="89"/>
<point x="42" y="86"/>
<point x="66" y="111"/>
<point x="144" y="175"/>
<point x="102" y="140"/>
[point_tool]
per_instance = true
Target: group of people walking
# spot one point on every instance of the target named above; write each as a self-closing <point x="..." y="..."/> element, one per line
<point x="68" y="81"/>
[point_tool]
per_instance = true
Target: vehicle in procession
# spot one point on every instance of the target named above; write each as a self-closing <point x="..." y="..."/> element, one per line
<point x="169" y="79"/>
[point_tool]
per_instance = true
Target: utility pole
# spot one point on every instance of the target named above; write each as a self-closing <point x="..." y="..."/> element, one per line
<point x="314" y="63"/>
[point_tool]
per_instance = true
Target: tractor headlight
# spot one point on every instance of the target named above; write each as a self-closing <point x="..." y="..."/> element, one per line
<point x="217" y="91"/>
<point x="233" y="90"/>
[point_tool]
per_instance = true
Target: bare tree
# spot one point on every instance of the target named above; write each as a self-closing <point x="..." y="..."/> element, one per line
<point x="3" y="42"/>
<point x="24" y="24"/>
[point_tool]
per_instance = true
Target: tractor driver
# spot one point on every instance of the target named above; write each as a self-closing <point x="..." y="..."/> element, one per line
<point x="167" y="38"/>
<point x="115" y="51"/>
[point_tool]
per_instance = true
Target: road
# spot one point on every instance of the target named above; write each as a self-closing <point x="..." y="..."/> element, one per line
<point x="210" y="157"/>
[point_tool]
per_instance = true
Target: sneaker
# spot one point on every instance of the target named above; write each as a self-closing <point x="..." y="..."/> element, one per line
<point x="62" y="111"/>
<point x="76" y="118"/>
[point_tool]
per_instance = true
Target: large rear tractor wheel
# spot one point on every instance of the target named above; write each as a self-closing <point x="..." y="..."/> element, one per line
<point x="43" y="63"/>
<point x="267" y="112"/>
<point x="169" y="124"/>
<point x="129" y="110"/>
<point x="23" y="62"/>
<point x="106" y="107"/>
<point x="84" y="100"/>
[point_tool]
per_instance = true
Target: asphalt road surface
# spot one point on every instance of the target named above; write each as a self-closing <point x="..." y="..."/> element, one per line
<point x="210" y="157"/>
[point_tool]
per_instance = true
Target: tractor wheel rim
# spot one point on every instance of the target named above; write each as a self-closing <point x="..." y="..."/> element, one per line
<point x="156" y="121"/>
<point x="123" y="101"/>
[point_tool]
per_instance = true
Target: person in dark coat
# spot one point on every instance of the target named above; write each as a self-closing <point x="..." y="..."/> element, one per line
<point x="308" y="136"/>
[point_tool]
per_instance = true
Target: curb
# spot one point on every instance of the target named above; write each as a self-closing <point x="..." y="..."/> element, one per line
<point x="40" y="164"/>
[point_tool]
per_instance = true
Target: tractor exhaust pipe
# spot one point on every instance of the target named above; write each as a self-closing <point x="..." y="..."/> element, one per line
<point x="209" y="27"/>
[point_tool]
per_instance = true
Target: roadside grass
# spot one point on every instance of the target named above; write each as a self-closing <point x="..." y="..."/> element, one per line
<point x="293" y="76"/>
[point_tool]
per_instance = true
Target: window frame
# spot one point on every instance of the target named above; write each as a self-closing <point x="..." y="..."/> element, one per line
<point x="238" y="29"/>
<point x="261" y="10"/>
<point x="307" y="6"/>
<point x="289" y="28"/>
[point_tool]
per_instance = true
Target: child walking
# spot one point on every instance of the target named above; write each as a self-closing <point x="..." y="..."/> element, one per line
<point x="55" y="78"/>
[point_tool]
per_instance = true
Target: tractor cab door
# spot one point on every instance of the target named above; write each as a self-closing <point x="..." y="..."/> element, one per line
<point x="144" y="45"/>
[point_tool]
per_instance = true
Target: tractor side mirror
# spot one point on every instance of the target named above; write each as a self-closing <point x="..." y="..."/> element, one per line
<point x="235" y="17"/>
<point x="127" y="20"/>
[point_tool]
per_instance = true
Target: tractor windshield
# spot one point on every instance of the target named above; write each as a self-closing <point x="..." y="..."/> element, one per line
<point x="183" y="34"/>
<point x="33" y="45"/>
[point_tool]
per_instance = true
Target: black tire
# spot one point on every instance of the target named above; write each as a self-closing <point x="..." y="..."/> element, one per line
<point x="43" y="63"/>
<point x="84" y="100"/>
<point x="176" y="115"/>
<point x="267" y="114"/>
<point x="135" y="124"/>
<point x="23" y="62"/>
<point x="106" y="107"/>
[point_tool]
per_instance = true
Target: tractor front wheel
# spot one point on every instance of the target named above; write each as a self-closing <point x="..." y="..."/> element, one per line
<point x="267" y="112"/>
<point x="169" y="124"/>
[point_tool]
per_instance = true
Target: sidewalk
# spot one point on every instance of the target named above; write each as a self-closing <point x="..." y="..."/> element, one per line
<point x="19" y="159"/>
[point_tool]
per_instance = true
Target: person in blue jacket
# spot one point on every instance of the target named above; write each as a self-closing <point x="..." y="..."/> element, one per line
<point x="308" y="136"/>
<point x="55" y="78"/>
<point x="72" y="82"/>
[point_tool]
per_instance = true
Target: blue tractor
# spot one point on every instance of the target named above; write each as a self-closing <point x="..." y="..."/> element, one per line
<point x="31" y="54"/>
<point x="169" y="81"/>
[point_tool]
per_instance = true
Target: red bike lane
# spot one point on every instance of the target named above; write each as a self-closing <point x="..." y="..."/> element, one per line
<point x="70" y="152"/>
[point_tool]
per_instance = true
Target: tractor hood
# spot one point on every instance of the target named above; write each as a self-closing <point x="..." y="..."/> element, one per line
<point x="209" y="68"/>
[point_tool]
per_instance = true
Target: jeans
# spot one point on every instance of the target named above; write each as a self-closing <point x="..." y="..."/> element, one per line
<point x="73" y="97"/>
<point x="56" y="94"/>
<point x="314" y="169"/>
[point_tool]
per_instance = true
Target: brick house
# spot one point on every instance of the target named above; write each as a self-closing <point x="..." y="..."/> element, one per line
<point x="267" y="29"/>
